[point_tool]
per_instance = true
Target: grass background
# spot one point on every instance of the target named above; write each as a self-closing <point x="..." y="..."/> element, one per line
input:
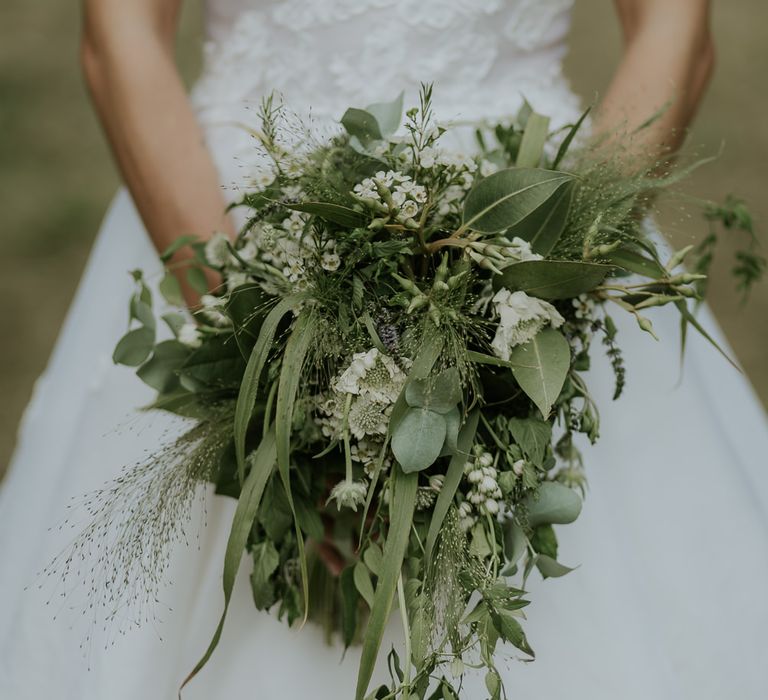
<point x="56" y="176"/>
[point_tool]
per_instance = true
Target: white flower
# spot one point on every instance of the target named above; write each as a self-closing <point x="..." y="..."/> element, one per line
<point x="263" y="179"/>
<point x="522" y="250"/>
<point x="491" y="506"/>
<point x="368" y="417"/>
<point x="488" y="168"/>
<point x="436" y="482"/>
<point x="330" y="262"/>
<point x="518" y="466"/>
<point x="374" y="374"/>
<point x="189" y="335"/>
<point x="248" y="252"/>
<point x="409" y="210"/>
<point x="211" y="309"/>
<point x="217" y="250"/>
<point x="398" y="197"/>
<point x="584" y="305"/>
<point x="236" y="278"/>
<point x="520" y="318"/>
<point x="366" y="190"/>
<point x="349" y="494"/>
<point x="428" y="157"/>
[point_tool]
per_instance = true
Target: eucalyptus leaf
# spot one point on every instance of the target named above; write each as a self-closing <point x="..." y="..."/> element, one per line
<point x="265" y="562"/>
<point x="533" y="435"/>
<point x="541" y="366"/>
<point x="161" y="370"/>
<point x="549" y="567"/>
<point x="197" y="280"/>
<point x="170" y="288"/>
<point x="418" y="439"/>
<point x="553" y="504"/>
<point x="505" y="198"/>
<point x="141" y="311"/>
<point x="134" y="347"/>
<point x="544" y="226"/>
<point x="362" y="125"/>
<point x="388" y="115"/>
<point x="440" y="393"/>
<point x="362" y="578"/>
<point x="453" y="423"/>
<point x="372" y="558"/>
<point x="552" y="279"/>
<point x="515" y="542"/>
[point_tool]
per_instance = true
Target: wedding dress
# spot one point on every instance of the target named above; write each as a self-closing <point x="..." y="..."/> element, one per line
<point x="669" y="599"/>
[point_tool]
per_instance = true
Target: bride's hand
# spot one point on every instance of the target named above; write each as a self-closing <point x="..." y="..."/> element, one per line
<point x="127" y="57"/>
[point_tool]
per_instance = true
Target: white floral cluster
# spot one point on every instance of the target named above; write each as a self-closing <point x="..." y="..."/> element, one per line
<point x="366" y="391"/>
<point x="484" y="495"/>
<point x="521" y="317"/>
<point x="282" y="250"/>
<point x="392" y="193"/>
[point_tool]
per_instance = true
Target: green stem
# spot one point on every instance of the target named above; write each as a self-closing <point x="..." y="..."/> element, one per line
<point x="347" y="449"/>
<point x="407" y="631"/>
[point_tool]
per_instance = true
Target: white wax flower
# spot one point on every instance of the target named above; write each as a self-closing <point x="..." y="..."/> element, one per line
<point x="189" y="335"/>
<point x="217" y="250"/>
<point x="522" y="250"/>
<point x="521" y="317"/>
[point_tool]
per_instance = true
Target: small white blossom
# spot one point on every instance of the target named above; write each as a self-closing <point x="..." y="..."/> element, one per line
<point x="211" y="309"/>
<point x="521" y="250"/>
<point x="518" y="466"/>
<point x="585" y="306"/>
<point x="491" y="506"/>
<point x="330" y="262"/>
<point x="488" y="168"/>
<point x="521" y="317"/>
<point x="217" y="250"/>
<point x="189" y="334"/>
<point x="409" y="210"/>
<point x="349" y="494"/>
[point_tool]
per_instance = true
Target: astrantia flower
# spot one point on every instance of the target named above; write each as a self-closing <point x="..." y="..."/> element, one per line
<point x="189" y="335"/>
<point x="520" y="318"/>
<point x="374" y="374"/>
<point x="368" y="417"/>
<point x="349" y="494"/>
<point x="217" y="250"/>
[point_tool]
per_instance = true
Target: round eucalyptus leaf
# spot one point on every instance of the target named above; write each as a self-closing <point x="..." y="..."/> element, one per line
<point x="440" y="393"/>
<point x="418" y="439"/>
<point x="554" y="504"/>
<point x="134" y="347"/>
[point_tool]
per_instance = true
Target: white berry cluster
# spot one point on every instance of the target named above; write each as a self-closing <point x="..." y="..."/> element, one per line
<point x="484" y="495"/>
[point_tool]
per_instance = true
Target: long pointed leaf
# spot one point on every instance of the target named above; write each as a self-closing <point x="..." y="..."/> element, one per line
<point x="245" y="513"/>
<point x="566" y="144"/>
<point x="249" y="386"/>
<point x="532" y="144"/>
<point x="296" y="349"/>
<point x="403" y="503"/>
<point x="452" y="480"/>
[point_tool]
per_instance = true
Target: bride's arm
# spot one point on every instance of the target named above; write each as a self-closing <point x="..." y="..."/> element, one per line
<point x="128" y="62"/>
<point x="667" y="63"/>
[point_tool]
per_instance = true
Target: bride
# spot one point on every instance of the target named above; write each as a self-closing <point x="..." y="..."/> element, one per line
<point x="669" y="600"/>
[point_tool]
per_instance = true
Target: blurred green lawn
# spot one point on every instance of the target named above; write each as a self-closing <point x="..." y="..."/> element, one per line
<point x="56" y="177"/>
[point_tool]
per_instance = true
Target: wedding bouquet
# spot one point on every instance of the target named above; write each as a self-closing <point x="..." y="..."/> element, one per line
<point x="389" y="378"/>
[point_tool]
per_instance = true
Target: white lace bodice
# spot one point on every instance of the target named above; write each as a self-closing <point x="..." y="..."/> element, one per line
<point x="484" y="57"/>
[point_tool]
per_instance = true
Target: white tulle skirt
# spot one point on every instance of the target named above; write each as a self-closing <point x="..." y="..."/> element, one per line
<point x="668" y="601"/>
